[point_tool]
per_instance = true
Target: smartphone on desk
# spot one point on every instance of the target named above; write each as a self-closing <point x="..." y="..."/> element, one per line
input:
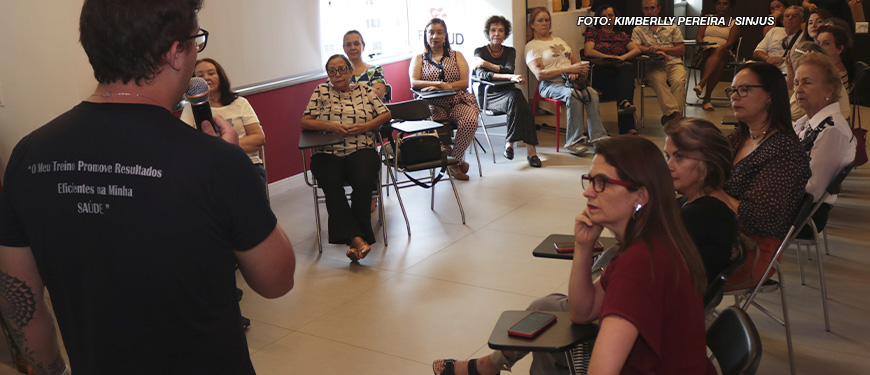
<point x="568" y="247"/>
<point x="532" y="325"/>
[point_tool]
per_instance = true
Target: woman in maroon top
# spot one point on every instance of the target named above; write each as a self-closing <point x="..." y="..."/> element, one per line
<point x="613" y="76"/>
<point x="648" y="301"/>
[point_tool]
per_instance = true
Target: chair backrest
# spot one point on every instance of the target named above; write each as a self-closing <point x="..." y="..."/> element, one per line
<point x="388" y="93"/>
<point x="836" y="183"/>
<point x="410" y="110"/>
<point x="735" y="342"/>
<point x="861" y="82"/>
<point x="715" y="289"/>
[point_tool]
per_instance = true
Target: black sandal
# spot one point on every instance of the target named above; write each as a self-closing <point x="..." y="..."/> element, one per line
<point x="448" y="367"/>
<point x="625" y="107"/>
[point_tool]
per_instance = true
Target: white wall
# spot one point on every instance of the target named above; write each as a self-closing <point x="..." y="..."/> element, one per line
<point x="43" y="69"/>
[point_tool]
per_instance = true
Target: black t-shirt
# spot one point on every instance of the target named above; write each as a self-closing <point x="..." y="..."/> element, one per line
<point x="132" y="217"/>
<point x="713" y="227"/>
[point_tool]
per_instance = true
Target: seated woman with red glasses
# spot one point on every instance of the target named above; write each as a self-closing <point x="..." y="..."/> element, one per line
<point x="648" y="301"/>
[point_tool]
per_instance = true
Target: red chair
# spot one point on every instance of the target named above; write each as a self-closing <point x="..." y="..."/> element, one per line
<point x="555" y="102"/>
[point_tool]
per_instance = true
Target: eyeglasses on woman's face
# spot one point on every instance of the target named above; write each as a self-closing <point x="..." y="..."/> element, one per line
<point x="741" y="90"/>
<point x="337" y="71"/>
<point x="600" y="181"/>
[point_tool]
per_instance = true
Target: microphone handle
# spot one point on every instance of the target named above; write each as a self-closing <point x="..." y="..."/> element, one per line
<point x="201" y="113"/>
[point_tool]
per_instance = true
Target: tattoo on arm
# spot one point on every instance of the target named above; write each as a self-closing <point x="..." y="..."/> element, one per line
<point x="18" y="306"/>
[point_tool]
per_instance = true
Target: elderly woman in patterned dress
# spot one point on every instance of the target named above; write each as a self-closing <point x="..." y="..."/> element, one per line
<point x="441" y="68"/>
<point x="770" y="167"/>
<point x="355" y="112"/>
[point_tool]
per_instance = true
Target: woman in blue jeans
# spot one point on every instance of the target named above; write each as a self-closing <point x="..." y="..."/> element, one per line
<point x="551" y="61"/>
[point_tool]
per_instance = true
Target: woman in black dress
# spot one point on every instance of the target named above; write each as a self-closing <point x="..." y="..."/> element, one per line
<point x="496" y="62"/>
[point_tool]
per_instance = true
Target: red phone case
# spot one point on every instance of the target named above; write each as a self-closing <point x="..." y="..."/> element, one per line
<point x="531" y="333"/>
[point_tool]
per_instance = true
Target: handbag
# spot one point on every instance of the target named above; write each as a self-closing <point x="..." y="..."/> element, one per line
<point x="579" y="84"/>
<point x="744" y="245"/>
<point x="422" y="148"/>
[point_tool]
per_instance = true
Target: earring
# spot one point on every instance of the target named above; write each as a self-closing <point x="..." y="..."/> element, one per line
<point x="637" y="208"/>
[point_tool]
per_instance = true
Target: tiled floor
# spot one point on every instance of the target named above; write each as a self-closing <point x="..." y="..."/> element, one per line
<point x="438" y="292"/>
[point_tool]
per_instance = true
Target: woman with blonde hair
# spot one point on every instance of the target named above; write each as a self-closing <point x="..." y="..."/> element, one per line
<point x="557" y="69"/>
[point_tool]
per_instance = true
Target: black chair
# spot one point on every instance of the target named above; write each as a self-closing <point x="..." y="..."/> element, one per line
<point x="859" y="93"/>
<point x="694" y="72"/>
<point x="735" y="342"/>
<point x="716" y="288"/>
<point x="487" y="117"/>
<point x="408" y="113"/>
<point x="833" y="189"/>
<point x="747" y="296"/>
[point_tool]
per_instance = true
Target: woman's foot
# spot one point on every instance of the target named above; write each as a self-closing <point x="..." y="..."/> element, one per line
<point x="625" y="107"/>
<point x="699" y="90"/>
<point x="457" y="173"/>
<point x="708" y="106"/>
<point x="477" y="366"/>
<point x="534" y="161"/>
<point x="463" y="165"/>
<point x="359" y="249"/>
<point x="509" y="153"/>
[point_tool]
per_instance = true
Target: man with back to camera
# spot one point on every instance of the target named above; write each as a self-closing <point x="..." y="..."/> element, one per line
<point x="667" y="76"/>
<point x="779" y="40"/>
<point x="132" y="220"/>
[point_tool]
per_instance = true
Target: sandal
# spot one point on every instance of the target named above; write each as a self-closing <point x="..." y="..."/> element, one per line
<point x="625" y="107"/>
<point x="447" y="368"/>
<point x="708" y="106"/>
<point x="698" y="90"/>
<point x="352" y="254"/>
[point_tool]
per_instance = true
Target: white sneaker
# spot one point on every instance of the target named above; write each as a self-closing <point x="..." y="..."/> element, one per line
<point x="577" y="148"/>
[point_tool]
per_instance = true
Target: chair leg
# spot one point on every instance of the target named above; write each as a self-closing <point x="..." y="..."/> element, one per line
<point x="456" y="194"/>
<point x="432" y="190"/>
<point x="823" y="287"/>
<point x="317" y="220"/>
<point x="395" y="184"/>
<point x="381" y="213"/>
<point x="488" y="141"/>
<point x="558" y="125"/>
<point x="800" y="263"/>
<point x="477" y="156"/>
<point x="825" y="236"/>
<point x="787" y="323"/>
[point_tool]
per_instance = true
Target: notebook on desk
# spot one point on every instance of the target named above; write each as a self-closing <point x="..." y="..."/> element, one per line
<point x="434" y="93"/>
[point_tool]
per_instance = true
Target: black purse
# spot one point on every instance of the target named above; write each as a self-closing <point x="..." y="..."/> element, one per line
<point x="422" y="148"/>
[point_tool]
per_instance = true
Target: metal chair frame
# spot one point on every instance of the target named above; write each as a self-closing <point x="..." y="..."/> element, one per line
<point x="320" y="198"/>
<point x="488" y="118"/>
<point x="413" y="110"/>
<point x="747" y="296"/>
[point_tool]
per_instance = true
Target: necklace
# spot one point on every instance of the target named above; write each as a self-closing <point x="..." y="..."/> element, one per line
<point x="763" y="134"/>
<point x="493" y="52"/>
<point x="109" y="94"/>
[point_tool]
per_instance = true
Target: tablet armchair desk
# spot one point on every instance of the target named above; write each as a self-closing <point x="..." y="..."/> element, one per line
<point x="561" y="336"/>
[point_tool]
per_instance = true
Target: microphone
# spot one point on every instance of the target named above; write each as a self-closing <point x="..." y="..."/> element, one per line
<point x="197" y="95"/>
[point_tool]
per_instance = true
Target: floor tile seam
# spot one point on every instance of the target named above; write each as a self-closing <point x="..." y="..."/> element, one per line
<point x="365" y="348"/>
<point x="349" y="300"/>
<point x="474" y="286"/>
